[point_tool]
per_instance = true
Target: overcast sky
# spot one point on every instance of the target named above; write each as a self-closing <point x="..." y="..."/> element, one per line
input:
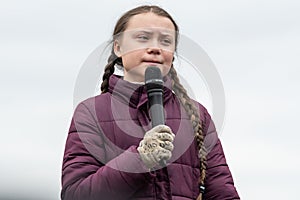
<point x="253" y="44"/>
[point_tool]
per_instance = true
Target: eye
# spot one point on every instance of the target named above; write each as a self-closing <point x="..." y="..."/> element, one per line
<point x="142" y="37"/>
<point x="166" y="41"/>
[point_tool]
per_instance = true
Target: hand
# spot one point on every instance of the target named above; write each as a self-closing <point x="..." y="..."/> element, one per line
<point x="156" y="146"/>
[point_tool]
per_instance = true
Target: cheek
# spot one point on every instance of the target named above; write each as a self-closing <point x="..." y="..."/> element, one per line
<point x="168" y="58"/>
<point x="168" y="62"/>
<point x="130" y="59"/>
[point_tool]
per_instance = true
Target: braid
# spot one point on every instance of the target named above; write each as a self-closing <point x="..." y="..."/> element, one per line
<point x="108" y="71"/>
<point x="194" y="115"/>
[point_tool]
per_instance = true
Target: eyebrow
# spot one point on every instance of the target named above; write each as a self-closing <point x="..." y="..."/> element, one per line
<point x="144" y="31"/>
<point x="166" y="34"/>
<point x="152" y="32"/>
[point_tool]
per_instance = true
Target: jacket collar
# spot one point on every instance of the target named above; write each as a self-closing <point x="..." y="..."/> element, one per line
<point x="133" y="94"/>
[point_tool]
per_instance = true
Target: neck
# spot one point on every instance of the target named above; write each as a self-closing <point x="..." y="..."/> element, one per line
<point x="134" y="79"/>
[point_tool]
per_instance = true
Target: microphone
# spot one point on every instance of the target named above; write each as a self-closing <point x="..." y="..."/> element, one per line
<point x="154" y="87"/>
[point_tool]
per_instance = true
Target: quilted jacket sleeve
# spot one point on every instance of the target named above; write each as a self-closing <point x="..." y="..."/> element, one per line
<point x="219" y="182"/>
<point x="84" y="176"/>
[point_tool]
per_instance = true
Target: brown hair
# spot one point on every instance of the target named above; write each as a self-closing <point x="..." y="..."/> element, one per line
<point x="179" y="90"/>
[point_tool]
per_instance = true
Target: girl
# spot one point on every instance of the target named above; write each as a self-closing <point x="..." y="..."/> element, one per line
<point x="112" y="152"/>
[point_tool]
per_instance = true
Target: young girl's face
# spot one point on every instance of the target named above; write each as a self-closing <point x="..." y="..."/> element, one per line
<point x="148" y="40"/>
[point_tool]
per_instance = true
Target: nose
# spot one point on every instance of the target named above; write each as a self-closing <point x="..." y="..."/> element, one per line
<point x="154" y="50"/>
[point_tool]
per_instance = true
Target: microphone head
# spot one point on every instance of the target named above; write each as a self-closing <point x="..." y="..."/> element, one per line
<point x="153" y="78"/>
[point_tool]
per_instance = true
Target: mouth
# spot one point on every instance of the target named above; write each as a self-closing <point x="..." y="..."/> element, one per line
<point x="152" y="62"/>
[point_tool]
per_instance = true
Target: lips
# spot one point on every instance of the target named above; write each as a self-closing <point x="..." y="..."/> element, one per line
<point x="153" y="61"/>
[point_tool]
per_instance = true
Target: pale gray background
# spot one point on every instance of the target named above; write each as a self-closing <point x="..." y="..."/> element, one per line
<point x="254" y="45"/>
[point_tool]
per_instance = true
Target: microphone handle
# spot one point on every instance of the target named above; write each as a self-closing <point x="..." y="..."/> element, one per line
<point x="157" y="113"/>
<point x="156" y="109"/>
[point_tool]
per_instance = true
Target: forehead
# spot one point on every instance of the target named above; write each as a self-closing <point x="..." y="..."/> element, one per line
<point x="149" y="20"/>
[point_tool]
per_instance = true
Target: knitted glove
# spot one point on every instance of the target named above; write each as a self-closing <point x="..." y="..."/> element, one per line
<point x="156" y="147"/>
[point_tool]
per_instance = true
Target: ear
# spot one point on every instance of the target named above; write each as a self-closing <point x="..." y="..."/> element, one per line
<point x="117" y="48"/>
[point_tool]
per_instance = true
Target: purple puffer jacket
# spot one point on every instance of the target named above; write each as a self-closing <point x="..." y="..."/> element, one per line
<point x="101" y="160"/>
